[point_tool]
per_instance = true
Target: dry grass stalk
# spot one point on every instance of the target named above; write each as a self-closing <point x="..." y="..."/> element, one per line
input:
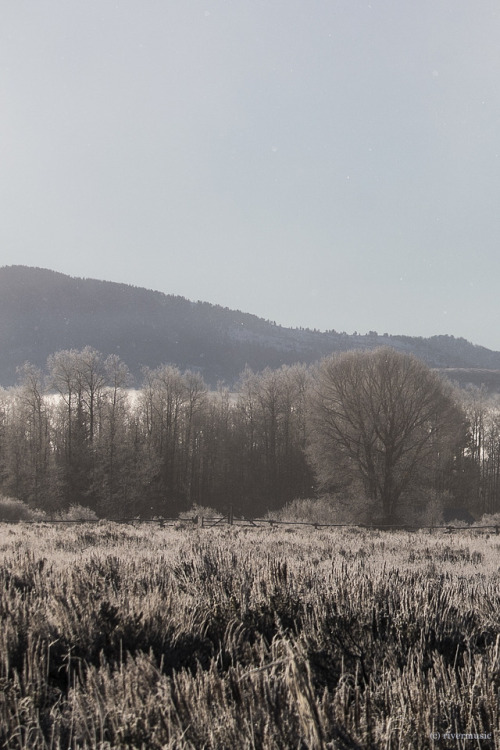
<point x="119" y="637"/>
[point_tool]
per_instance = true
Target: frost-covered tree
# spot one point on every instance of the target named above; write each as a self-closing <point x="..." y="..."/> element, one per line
<point x="384" y="421"/>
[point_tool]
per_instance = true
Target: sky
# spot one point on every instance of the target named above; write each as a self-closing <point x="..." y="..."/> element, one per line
<point x="331" y="164"/>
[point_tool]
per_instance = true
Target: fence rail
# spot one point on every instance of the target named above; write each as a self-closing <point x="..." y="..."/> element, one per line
<point x="207" y="522"/>
<point x="271" y="522"/>
<point x="158" y="521"/>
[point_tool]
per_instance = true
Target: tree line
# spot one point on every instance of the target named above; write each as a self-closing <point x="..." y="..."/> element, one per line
<point x="80" y="435"/>
<point x="377" y="431"/>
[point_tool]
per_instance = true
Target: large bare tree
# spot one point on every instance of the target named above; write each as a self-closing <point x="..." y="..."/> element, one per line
<point x="384" y="420"/>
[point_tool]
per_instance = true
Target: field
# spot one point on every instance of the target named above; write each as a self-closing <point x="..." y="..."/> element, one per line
<point x="140" y="637"/>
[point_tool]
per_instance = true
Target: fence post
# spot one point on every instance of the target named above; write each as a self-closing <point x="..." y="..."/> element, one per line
<point x="202" y="522"/>
<point x="230" y="515"/>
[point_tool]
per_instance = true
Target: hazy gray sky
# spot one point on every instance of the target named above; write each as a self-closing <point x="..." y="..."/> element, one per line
<point x="324" y="163"/>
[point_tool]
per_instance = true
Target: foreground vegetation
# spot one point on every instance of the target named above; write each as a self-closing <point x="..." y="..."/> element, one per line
<point x="138" y="637"/>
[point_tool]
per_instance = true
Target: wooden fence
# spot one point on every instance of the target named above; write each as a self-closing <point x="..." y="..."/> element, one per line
<point x="211" y="521"/>
<point x="207" y="522"/>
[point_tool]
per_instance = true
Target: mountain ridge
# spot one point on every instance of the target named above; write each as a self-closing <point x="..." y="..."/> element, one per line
<point x="43" y="311"/>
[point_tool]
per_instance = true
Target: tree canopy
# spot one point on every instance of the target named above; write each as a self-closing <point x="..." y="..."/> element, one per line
<point x="385" y="421"/>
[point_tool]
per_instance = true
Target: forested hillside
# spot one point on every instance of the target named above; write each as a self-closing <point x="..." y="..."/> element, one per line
<point x="42" y="312"/>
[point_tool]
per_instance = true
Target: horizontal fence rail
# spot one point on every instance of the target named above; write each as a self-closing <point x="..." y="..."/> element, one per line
<point x="207" y="522"/>
<point x="271" y="522"/>
<point x="159" y="521"/>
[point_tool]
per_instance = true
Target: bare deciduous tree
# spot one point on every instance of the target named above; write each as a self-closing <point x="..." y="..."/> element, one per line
<point x="384" y="420"/>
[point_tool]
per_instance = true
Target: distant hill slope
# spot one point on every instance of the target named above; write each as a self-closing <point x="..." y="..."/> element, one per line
<point x="43" y="311"/>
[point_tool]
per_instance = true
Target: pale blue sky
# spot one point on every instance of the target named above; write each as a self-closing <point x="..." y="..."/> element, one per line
<point x="329" y="163"/>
